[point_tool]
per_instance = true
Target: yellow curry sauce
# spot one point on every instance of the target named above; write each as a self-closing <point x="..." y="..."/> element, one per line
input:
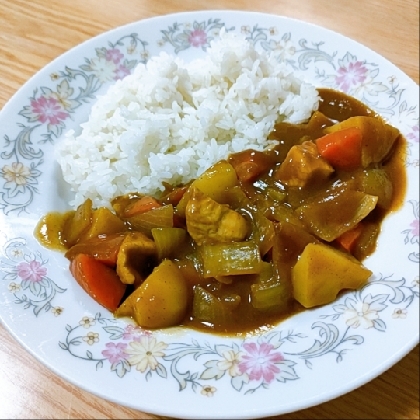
<point x="278" y="211"/>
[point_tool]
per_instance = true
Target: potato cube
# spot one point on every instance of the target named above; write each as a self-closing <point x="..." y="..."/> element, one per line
<point x="322" y="272"/>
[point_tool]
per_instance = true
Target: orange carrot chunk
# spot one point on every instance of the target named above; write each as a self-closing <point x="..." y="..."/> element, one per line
<point x="103" y="248"/>
<point x="347" y="240"/>
<point x="249" y="164"/>
<point x="173" y="197"/>
<point x="141" y="205"/>
<point x="342" y="149"/>
<point x="98" y="280"/>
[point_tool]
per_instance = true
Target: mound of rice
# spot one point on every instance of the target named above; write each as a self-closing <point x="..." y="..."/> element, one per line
<point x="171" y="120"/>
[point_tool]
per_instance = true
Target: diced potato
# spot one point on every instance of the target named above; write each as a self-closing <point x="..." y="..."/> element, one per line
<point x="216" y="179"/>
<point x="104" y="222"/>
<point x="212" y="182"/>
<point x="161" y="301"/>
<point x="322" y="272"/>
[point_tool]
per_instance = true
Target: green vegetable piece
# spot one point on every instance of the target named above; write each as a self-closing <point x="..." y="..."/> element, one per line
<point x="268" y="292"/>
<point x="209" y="308"/>
<point x="169" y="241"/>
<point x="230" y="259"/>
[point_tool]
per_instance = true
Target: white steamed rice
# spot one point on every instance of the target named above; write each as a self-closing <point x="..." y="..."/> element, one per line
<point x="171" y="120"/>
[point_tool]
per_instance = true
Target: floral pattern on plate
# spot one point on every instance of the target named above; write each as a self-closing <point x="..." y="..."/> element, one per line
<point x="26" y="274"/>
<point x="250" y="364"/>
<point x="212" y="366"/>
<point x="50" y="108"/>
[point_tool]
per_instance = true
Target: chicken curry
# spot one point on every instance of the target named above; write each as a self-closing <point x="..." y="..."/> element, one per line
<point x="257" y="237"/>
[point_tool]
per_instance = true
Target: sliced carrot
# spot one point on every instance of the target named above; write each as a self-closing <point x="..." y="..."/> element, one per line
<point x="348" y="240"/>
<point x="247" y="171"/>
<point x="142" y="205"/>
<point x="174" y="196"/>
<point x="98" y="280"/>
<point x="342" y="149"/>
<point x="103" y="248"/>
<point x="249" y="164"/>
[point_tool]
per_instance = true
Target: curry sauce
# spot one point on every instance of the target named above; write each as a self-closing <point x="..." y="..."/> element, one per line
<point x="237" y="237"/>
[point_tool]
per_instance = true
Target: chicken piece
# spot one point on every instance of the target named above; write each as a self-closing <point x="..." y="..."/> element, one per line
<point x="303" y="164"/>
<point x="136" y="255"/>
<point x="208" y="221"/>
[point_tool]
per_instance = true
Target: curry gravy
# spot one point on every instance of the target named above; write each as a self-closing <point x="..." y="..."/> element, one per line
<point x="334" y="106"/>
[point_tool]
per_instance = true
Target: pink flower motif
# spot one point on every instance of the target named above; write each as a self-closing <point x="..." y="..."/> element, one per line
<point x="415" y="225"/>
<point x="48" y="110"/>
<point x="414" y="135"/>
<point x="197" y="38"/>
<point x="133" y="332"/>
<point x="32" y="271"/>
<point x="114" y="55"/>
<point x="114" y="352"/>
<point x="354" y="74"/>
<point x="260" y="361"/>
<point x="121" y="72"/>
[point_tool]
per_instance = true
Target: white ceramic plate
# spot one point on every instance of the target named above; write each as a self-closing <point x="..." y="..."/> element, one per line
<point x="308" y="359"/>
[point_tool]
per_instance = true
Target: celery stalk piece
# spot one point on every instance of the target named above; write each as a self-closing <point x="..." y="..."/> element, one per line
<point x="270" y="292"/>
<point x="207" y="307"/>
<point x="169" y="241"/>
<point x="230" y="259"/>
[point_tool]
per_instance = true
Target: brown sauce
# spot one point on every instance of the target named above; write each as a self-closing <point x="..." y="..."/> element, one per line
<point x="334" y="106"/>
